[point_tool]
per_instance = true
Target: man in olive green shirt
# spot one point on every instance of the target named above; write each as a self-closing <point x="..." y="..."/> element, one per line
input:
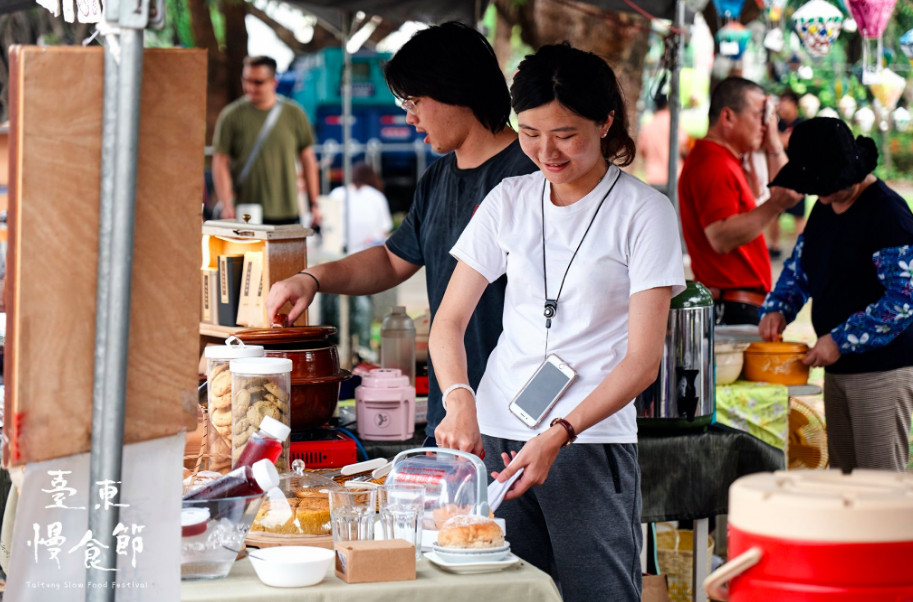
<point x="272" y="180"/>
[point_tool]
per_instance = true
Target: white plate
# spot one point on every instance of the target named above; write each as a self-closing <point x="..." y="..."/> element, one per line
<point x="463" y="555"/>
<point x="468" y="568"/>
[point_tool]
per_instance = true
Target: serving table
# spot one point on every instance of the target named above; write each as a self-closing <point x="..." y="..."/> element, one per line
<point x="525" y="582"/>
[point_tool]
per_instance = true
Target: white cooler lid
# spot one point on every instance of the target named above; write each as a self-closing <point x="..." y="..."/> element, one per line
<point x="824" y="505"/>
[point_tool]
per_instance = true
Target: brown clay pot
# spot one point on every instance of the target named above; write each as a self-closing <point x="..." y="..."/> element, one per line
<point x="313" y="400"/>
<point x="309" y="363"/>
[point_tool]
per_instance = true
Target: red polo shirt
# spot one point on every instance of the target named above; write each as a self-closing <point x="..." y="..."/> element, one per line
<point x="713" y="187"/>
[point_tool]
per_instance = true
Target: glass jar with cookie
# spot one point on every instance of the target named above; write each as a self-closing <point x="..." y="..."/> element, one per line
<point x="218" y="411"/>
<point x="259" y="387"/>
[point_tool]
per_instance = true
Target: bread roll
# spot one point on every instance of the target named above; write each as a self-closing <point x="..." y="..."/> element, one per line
<point x="470" y="531"/>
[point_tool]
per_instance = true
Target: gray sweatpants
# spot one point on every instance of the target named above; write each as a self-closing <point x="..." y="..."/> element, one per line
<point x="868" y="419"/>
<point x="582" y="525"/>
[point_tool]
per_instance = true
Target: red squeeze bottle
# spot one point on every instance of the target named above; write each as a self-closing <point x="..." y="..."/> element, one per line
<point x="244" y="480"/>
<point x="265" y="443"/>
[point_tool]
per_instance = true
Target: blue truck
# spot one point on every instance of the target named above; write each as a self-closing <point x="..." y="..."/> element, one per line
<point x="380" y="134"/>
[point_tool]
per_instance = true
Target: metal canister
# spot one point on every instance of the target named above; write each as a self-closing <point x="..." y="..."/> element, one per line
<point x="683" y="393"/>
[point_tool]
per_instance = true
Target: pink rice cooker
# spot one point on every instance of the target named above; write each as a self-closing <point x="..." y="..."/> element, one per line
<point x="385" y="406"/>
<point x="818" y="535"/>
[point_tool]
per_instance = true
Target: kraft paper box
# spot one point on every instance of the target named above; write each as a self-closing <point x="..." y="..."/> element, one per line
<point x="371" y="561"/>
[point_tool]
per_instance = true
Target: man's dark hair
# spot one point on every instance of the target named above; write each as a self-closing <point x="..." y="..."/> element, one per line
<point x="261" y="61"/>
<point x="730" y="93"/>
<point x="790" y="94"/>
<point x="581" y="82"/>
<point x="453" y="64"/>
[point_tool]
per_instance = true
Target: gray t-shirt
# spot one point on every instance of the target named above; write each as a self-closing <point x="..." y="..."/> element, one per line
<point x="445" y="199"/>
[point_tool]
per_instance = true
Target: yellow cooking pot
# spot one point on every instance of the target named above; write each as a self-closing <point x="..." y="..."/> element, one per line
<point x="779" y="362"/>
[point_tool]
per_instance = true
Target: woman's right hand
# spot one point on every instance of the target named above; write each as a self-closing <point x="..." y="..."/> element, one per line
<point x="460" y="428"/>
<point x="772" y="326"/>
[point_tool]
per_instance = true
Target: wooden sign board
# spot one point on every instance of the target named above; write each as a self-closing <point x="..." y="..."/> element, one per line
<point x="56" y="97"/>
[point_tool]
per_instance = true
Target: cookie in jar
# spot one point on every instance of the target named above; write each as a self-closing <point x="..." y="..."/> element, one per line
<point x="259" y="387"/>
<point x="218" y="378"/>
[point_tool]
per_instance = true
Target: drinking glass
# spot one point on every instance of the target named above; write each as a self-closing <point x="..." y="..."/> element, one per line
<point x="402" y="508"/>
<point x="352" y="514"/>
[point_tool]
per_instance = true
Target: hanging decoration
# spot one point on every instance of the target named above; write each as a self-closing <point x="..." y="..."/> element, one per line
<point x="775" y="10"/>
<point x="887" y="88"/>
<point x="828" y="112"/>
<point x="871" y="17"/>
<point x="906" y="44"/>
<point x="847" y="107"/>
<point x="733" y="39"/>
<point x="818" y="24"/>
<point x="728" y="9"/>
<point x="901" y="118"/>
<point x="809" y="104"/>
<point x="865" y="119"/>
<point x="773" y="40"/>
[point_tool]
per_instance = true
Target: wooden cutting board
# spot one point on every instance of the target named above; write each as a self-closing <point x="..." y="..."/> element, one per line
<point x="56" y="122"/>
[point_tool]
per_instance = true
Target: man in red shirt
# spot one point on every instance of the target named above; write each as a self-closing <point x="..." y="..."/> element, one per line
<point x="722" y="225"/>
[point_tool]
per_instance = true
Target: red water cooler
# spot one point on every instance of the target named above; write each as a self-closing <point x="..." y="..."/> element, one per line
<point x="818" y="536"/>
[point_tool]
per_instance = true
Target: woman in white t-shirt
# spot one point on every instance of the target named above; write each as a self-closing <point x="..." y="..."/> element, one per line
<point x="592" y="258"/>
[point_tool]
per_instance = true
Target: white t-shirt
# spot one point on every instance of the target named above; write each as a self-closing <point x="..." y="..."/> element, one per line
<point x="633" y="245"/>
<point x="369" y="222"/>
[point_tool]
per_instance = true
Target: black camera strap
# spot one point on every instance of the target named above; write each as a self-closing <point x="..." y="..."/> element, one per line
<point x="551" y="305"/>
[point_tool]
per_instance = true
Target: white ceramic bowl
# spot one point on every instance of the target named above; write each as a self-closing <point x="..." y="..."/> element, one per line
<point x="291" y="566"/>
<point x="472" y="554"/>
<point x="729" y="358"/>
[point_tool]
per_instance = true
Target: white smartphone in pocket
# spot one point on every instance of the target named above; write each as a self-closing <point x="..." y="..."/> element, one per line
<point x="542" y="391"/>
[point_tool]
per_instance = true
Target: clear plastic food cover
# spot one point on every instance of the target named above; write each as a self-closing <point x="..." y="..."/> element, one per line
<point x="455" y="482"/>
<point x="299" y="506"/>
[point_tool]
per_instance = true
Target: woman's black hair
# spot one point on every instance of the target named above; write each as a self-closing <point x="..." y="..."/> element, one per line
<point x="453" y="64"/>
<point x="583" y="83"/>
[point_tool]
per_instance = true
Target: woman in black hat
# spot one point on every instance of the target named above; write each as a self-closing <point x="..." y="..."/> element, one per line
<point x="855" y="258"/>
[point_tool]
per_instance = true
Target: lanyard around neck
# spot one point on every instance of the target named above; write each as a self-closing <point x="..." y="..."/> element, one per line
<point x="551" y="305"/>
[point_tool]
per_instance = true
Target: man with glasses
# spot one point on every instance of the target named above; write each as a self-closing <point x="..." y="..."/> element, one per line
<point x="722" y="225"/>
<point x="246" y="129"/>
<point x="448" y="80"/>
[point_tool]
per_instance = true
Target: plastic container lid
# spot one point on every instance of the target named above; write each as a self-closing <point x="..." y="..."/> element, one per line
<point x="232" y="349"/>
<point x="261" y="365"/>
<point x="274" y="428"/>
<point x="385" y="378"/>
<point x="265" y="474"/>
<point x="824" y="505"/>
<point x="776" y="347"/>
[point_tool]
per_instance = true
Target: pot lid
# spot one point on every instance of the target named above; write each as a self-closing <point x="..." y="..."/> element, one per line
<point x="694" y="295"/>
<point x="824" y="505"/>
<point x="300" y="480"/>
<point x="293" y="334"/>
<point x="777" y="347"/>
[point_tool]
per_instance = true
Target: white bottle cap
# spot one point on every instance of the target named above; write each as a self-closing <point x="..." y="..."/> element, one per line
<point x="275" y="428"/>
<point x="265" y="474"/>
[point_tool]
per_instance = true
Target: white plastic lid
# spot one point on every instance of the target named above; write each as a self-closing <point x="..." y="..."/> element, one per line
<point x="275" y="428"/>
<point x="232" y="349"/>
<point x="265" y="474"/>
<point x="260" y="365"/>
<point x="824" y="505"/>
<point x="194" y="516"/>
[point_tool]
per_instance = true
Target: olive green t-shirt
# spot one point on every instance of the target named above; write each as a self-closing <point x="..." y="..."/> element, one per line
<point x="272" y="181"/>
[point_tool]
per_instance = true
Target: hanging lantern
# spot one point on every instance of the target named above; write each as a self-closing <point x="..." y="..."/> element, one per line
<point x="865" y="119"/>
<point x="775" y="11"/>
<point x="906" y="44"/>
<point x="809" y="105"/>
<point x="818" y="25"/>
<point x="828" y="112"/>
<point x="728" y="9"/>
<point x="901" y="118"/>
<point x="773" y="40"/>
<point x="871" y="17"/>
<point x="847" y="106"/>
<point x="887" y="88"/>
<point x="733" y="39"/>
